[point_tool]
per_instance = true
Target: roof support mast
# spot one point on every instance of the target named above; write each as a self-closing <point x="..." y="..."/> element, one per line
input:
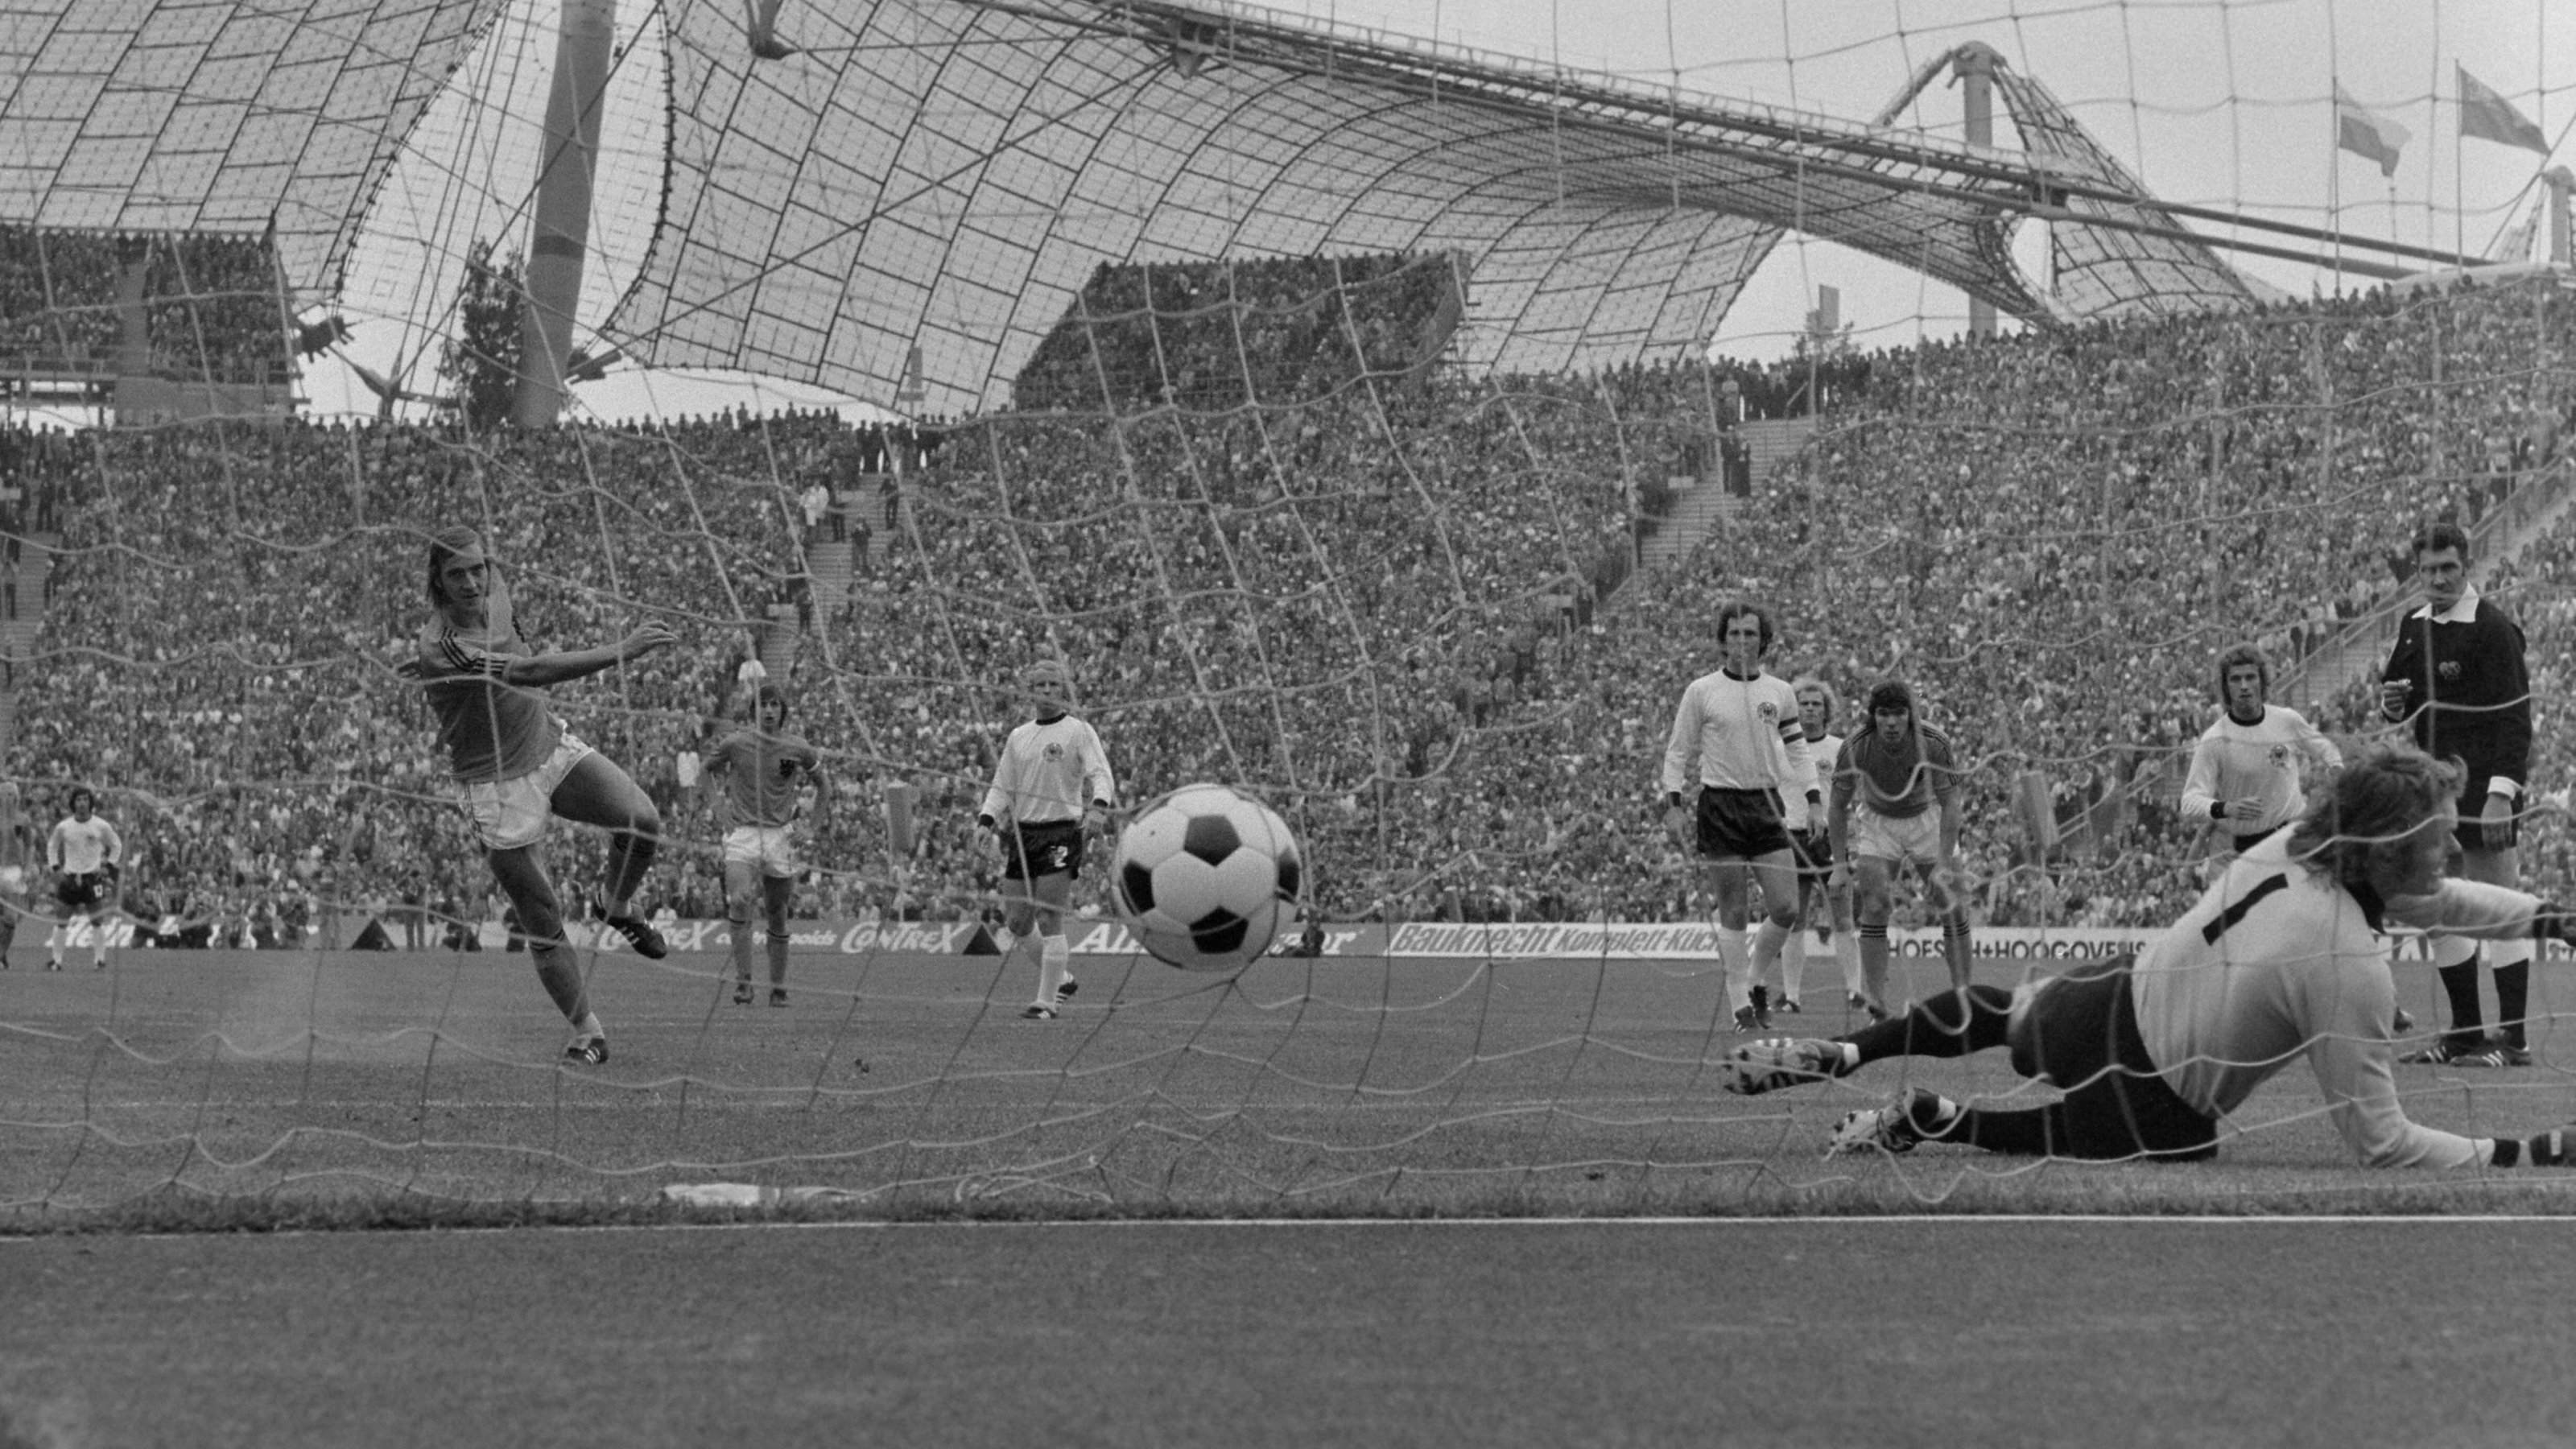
<point x="584" y="44"/>
<point x="1976" y="73"/>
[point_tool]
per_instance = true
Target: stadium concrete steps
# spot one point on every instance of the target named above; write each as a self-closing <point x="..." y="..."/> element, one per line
<point x="828" y="563"/>
<point x="1701" y="506"/>
<point x="20" y="629"/>
<point x="1774" y="443"/>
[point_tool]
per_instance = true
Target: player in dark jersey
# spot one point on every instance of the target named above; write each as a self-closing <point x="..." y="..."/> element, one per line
<point x="761" y="764"/>
<point x="2457" y="678"/>
<point x="517" y="767"/>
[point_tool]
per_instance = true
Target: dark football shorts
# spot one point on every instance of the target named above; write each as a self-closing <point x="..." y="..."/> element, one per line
<point x="2476" y="834"/>
<point x="2080" y="1034"/>
<point x="1052" y="847"/>
<point x="1740" y="824"/>
<point x="80" y="892"/>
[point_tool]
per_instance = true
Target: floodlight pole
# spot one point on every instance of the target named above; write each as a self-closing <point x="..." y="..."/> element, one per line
<point x="1975" y="70"/>
<point x="584" y="44"/>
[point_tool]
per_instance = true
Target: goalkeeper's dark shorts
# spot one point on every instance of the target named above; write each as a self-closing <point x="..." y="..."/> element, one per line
<point x="89" y="888"/>
<point x="2079" y="1033"/>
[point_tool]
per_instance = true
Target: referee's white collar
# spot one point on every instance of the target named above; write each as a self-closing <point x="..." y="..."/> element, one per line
<point x="2460" y="612"/>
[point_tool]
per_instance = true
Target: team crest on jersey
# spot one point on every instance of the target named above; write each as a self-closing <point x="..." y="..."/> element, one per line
<point x="2280" y="757"/>
<point x="1769" y="712"/>
<point x="2448" y="669"/>
<point x="1054" y="751"/>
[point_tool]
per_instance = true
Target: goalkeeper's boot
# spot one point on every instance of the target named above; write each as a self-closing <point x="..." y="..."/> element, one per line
<point x="589" y="1049"/>
<point x="1762" y="1007"/>
<point x="1746" y="1023"/>
<point x="1891" y="1129"/>
<point x="1780" y="1061"/>
<point x="778" y="996"/>
<point x="639" y="932"/>
<point x="1037" y="1011"/>
<point x="1065" y="992"/>
<point x="742" y="991"/>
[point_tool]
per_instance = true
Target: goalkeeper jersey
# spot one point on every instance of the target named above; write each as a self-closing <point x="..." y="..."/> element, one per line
<point x="2277" y="962"/>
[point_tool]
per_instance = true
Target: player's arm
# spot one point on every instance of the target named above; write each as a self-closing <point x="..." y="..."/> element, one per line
<point x="2511" y="763"/>
<point x="1838" y="822"/>
<point x="995" y="813"/>
<point x="2484" y="912"/>
<point x="539" y="670"/>
<point x="1801" y="793"/>
<point x="1099" y="785"/>
<point x="112" y="845"/>
<point x="2200" y="800"/>
<point x="2397" y="680"/>
<point x="1679" y="751"/>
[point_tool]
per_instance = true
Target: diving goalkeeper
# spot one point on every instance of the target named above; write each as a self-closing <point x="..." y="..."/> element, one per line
<point x="2282" y="958"/>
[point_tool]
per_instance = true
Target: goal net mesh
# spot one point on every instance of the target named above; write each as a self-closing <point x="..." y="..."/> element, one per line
<point x="1438" y="615"/>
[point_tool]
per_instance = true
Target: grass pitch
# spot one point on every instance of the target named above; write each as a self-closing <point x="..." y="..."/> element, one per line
<point x="265" y="1089"/>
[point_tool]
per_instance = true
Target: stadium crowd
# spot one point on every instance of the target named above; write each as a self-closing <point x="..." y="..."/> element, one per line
<point x="1400" y="607"/>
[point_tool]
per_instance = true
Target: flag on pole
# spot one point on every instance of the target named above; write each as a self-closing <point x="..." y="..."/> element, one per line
<point x="2363" y="134"/>
<point x="2490" y="117"/>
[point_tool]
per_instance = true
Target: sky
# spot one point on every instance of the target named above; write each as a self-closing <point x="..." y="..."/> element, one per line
<point x="2225" y="105"/>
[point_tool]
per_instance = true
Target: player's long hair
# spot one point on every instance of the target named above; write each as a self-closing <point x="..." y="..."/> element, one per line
<point x="1735" y="609"/>
<point x="2376" y="802"/>
<point x="446" y="544"/>
<point x="2243" y="654"/>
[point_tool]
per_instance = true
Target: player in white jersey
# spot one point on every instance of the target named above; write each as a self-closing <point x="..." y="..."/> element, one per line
<point x="1738" y="731"/>
<point x="2246" y="767"/>
<point x="2282" y="959"/>
<point x="85" y="855"/>
<point x="1051" y="788"/>
<point x="1817" y="706"/>
<point x="761" y="764"/>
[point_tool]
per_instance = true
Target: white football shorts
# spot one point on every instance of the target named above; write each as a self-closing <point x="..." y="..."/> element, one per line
<point x="518" y="811"/>
<point x="763" y="846"/>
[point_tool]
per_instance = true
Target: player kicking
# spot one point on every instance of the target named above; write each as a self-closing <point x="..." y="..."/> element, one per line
<point x="517" y="767"/>
<point x="1817" y="706"/>
<point x="1051" y="788"/>
<point x="2282" y="958"/>
<point x="84" y="853"/>
<point x="1739" y="728"/>
<point x="760" y="765"/>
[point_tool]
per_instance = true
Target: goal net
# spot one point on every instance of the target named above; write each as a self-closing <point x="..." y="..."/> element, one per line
<point x="1296" y="526"/>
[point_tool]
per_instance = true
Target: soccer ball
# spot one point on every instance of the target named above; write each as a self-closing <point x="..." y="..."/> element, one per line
<point x="1208" y="878"/>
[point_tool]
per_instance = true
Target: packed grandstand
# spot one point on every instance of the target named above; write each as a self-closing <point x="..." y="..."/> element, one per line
<point x="1284" y="546"/>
